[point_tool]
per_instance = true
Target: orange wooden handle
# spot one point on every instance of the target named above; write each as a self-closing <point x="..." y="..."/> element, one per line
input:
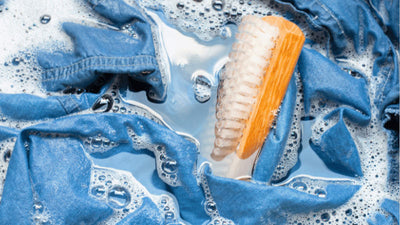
<point x="276" y="80"/>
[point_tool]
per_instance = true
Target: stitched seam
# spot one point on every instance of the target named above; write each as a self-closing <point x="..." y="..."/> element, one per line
<point x="61" y="69"/>
<point x="392" y="68"/>
<point x="75" y="103"/>
<point x="62" y="105"/>
<point x="380" y="97"/>
<point x="85" y="68"/>
<point x="98" y="57"/>
<point x="324" y="7"/>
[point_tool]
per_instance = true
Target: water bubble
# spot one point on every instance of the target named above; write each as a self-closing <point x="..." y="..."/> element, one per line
<point x="96" y="142"/>
<point x="115" y="108"/>
<point x="226" y="32"/>
<point x="325" y="217"/>
<point x="211" y="207"/>
<point x="300" y="186"/>
<point x="7" y="155"/>
<point x="169" y="166"/>
<point x="160" y="148"/>
<point x="103" y="104"/>
<point x="106" y="142"/>
<point x="16" y="61"/>
<point x="169" y="215"/>
<point x="45" y="19"/>
<point x="164" y="200"/>
<point x="102" y="177"/>
<point x="37" y="208"/>
<point x="348" y="212"/>
<point x="202" y="88"/>
<point x="320" y="193"/>
<point x="118" y="197"/>
<point x="98" y="191"/>
<point x="180" y="5"/>
<point x="293" y="135"/>
<point x="218" y="5"/>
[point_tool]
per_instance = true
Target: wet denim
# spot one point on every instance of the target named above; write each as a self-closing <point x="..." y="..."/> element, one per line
<point x="50" y="165"/>
<point x="392" y="208"/>
<point x="103" y="51"/>
<point x="64" y="191"/>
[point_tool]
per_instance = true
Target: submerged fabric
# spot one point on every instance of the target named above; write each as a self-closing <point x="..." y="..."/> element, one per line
<point x="50" y="168"/>
<point x="107" y="51"/>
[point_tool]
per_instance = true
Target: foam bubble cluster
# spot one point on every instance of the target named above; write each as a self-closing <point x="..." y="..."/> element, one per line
<point x="40" y="214"/>
<point x="111" y="101"/>
<point x="210" y="207"/>
<point x="373" y="152"/>
<point x="98" y="144"/>
<point x="207" y="19"/>
<point x="124" y="194"/>
<point x="167" y="167"/>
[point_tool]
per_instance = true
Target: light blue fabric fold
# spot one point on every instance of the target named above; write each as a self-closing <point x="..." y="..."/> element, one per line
<point x="107" y="51"/>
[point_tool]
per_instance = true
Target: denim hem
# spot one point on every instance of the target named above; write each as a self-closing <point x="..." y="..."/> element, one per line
<point x="102" y="63"/>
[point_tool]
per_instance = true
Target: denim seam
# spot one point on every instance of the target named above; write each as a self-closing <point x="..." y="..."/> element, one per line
<point x="380" y="97"/>
<point x="86" y="101"/>
<point x="327" y="9"/>
<point x="59" y="70"/>
<point x="94" y="6"/>
<point x="62" y="105"/>
<point x="75" y="103"/>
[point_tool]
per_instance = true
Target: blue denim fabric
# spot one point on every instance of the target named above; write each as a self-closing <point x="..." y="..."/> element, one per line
<point x="320" y="78"/>
<point x="62" y="187"/>
<point x="343" y="21"/>
<point x="102" y="51"/>
<point x="388" y="14"/>
<point x="50" y="164"/>
<point x="15" y="106"/>
<point x="275" y="143"/>
<point x="391" y="207"/>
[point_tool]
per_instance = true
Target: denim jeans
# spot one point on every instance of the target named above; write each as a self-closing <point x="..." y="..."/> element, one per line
<point x="53" y="177"/>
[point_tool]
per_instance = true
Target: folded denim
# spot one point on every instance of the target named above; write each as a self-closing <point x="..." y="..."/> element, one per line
<point x="107" y="51"/>
<point x="55" y="169"/>
<point x="392" y="208"/>
<point x="49" y="166"/>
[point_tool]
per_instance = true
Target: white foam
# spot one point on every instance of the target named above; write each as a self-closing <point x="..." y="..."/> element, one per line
<point x="122" y="192"/>
<point x="23" y="35"/>
<point x="20" y="37"/>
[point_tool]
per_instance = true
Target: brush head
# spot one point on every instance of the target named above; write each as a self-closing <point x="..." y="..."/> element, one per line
<point x="254" y="83"/>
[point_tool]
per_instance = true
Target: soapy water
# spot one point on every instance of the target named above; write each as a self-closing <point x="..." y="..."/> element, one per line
<point x="122" y="192"/>
<point x="40" y="214"/>
<point x="210" y="207"/>
<point x="203" y="50"/>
